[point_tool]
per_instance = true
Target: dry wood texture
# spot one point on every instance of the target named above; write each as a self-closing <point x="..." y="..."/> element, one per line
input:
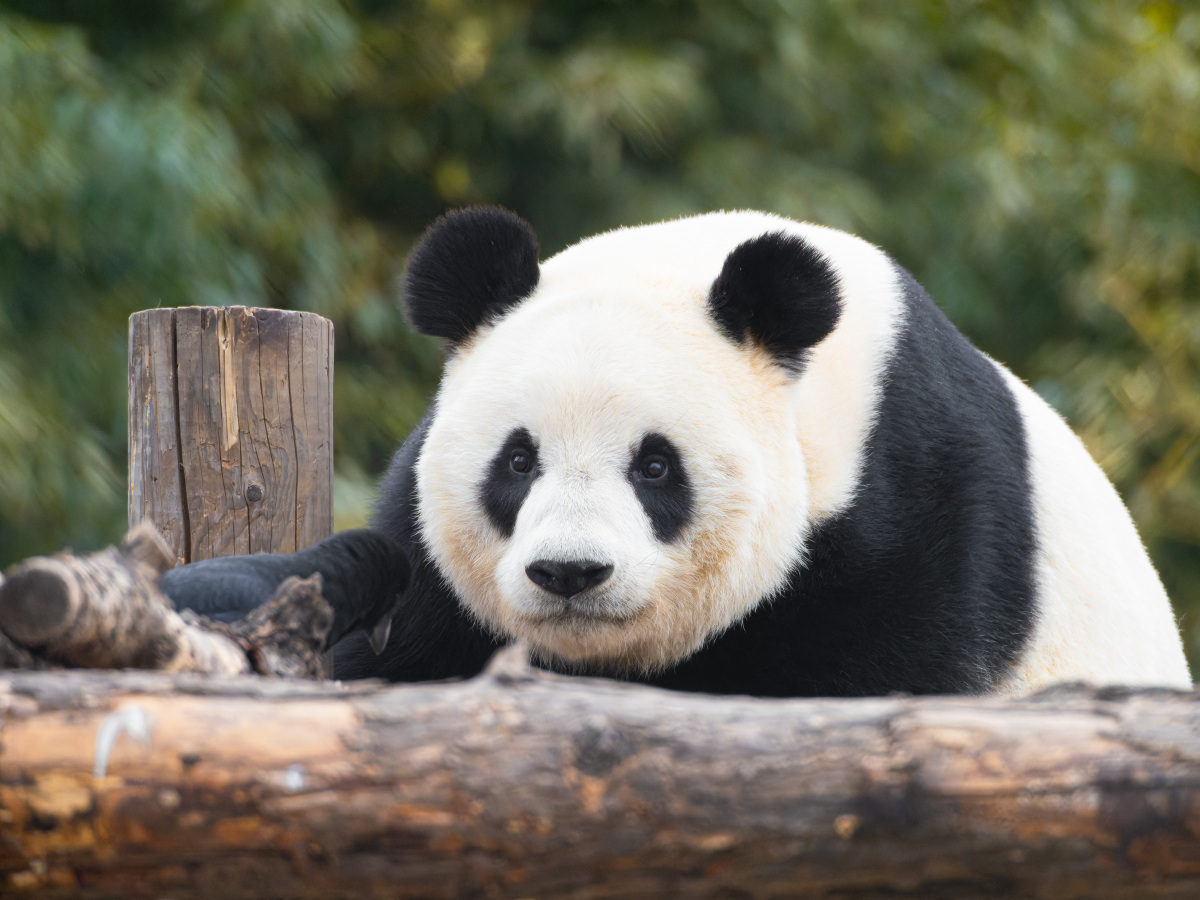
<point x="231" y="428"/>
<point x="532" y="785"/>
<point x="106" y="611"/>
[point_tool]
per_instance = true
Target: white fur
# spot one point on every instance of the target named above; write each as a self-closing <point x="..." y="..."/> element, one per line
<point x="1102" y="613"/>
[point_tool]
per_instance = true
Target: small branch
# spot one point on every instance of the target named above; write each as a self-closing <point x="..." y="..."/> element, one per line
<point x="286" y="635"/>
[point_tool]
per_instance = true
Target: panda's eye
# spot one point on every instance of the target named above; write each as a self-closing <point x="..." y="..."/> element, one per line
<point x="653" y="468"/>
<point x="520" y="461"/>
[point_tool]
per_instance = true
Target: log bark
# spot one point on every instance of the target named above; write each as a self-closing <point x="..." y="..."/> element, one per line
<point x="231" y="429"/>
<point x="524" y="784"/>
<point x="106" y="611"/>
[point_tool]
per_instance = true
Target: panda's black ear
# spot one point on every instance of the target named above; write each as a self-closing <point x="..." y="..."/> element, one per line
<point x="778" y="292"/>
<point x="469" y="267"/>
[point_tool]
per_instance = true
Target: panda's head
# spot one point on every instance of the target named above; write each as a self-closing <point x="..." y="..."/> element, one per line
<point x="615" y="470"/>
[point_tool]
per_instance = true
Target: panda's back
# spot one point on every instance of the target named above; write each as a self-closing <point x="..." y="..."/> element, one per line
<point x="1103" y="615"/>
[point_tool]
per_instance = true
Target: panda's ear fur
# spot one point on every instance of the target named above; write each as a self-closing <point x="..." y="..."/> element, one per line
<point x="778" y="292"/>
<point x="469" y="268"/>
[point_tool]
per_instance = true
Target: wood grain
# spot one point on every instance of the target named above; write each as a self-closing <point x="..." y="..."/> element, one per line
<point x="532" y="785"/>
<point x="231" y="428"/>
<point x="105" y="611"/>
<point x="155" y="479"/>
<point x="310" y="361"/>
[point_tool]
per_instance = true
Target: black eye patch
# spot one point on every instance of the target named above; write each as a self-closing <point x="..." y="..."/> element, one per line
<point x="509" y="477"/>
<point x="661" y="484"/>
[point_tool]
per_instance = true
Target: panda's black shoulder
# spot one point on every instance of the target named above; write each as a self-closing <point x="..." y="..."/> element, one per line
<point x="439" y="639"/>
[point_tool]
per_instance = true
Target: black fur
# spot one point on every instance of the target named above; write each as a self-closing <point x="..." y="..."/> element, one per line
<point x="363" y="574"/>
<point x="469" y="268"/>
<point x="503" y="490"/>
<point x="925" y="584"/>
<point x="667" y="501"/>
<point x="433" y="636"/>
<point x="778" y="292"/>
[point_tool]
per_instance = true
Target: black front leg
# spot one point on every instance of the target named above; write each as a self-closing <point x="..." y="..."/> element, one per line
<point x="364" y="575"/>
<point x="373" y="588"/>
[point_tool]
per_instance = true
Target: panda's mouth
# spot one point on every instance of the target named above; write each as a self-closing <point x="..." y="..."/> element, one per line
<point x="583" y="614"/>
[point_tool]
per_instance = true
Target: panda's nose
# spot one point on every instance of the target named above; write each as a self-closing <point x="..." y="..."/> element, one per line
<point x="567" y="578"/>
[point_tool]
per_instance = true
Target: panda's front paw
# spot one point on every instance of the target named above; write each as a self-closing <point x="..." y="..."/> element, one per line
<point x="364" y="574"/>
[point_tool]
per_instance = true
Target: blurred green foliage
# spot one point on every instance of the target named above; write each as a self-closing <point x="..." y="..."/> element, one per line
<point x="1036" y="164"/>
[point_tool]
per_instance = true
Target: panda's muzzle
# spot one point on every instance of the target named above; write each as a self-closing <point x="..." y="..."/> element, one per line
<point x="568" y="578"/>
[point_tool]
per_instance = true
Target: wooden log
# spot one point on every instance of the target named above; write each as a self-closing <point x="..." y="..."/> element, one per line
<point x="106" y="611"/>
<point x="531" y="785"/>
<point x="231" y="429"/>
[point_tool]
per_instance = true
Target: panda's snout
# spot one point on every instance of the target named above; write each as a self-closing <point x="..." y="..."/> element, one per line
<point x="568" y="578"/>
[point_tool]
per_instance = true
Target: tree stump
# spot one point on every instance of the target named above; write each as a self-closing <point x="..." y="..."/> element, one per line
<point x="231" y="428"/>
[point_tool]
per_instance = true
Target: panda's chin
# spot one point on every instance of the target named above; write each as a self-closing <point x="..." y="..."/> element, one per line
<point x="583" y="615"/>
<point x="605" y="606"/>
<point x="581" y="618"/>
<point x="582" y="633"/>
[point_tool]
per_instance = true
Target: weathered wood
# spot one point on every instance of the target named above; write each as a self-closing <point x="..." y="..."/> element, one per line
<point x="532" y="785"/>
<point x="231" y="428"/>
<point x="155" y="484"/>
<point x="286" y="635"/>
<point x="106" y="611"/>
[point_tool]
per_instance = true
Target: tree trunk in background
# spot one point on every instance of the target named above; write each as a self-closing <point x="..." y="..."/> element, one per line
<point x="231" y="428"/>
<point x="523" y="784"/>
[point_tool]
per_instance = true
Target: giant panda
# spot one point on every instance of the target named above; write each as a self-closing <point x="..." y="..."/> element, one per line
<point x="731" y="453"/>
